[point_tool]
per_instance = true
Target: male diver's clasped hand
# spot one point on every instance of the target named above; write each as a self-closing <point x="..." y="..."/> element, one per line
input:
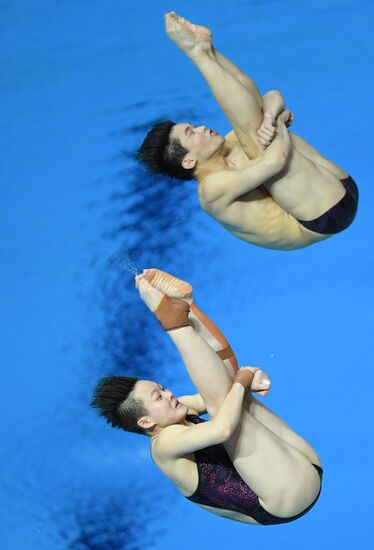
<point x="268" y="129"/>
<point x="253" y="379"/>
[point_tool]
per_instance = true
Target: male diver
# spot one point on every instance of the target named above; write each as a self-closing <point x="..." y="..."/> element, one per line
<point x="261" y="182"/>
<point x="244" y="463"/>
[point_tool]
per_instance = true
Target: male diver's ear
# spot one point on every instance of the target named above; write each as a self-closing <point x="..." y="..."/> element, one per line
<point x="188" y="163"/>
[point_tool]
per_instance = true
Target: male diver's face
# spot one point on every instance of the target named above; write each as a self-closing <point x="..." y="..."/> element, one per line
<point x="202" y="142"/>
<point x="163" y="407"/>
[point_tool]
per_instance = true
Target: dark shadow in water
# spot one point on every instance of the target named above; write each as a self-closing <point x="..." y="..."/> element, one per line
<point x="148" y="232"/>
<point x="148" y="224"/>
<point x="119" y="523"/>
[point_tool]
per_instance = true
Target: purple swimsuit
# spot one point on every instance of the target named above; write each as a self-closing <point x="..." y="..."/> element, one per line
<point x="220" y="485"/>
<point x="340" y="216"/>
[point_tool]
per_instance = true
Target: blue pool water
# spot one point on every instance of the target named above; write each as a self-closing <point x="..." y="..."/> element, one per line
<point x="81" y="83"/>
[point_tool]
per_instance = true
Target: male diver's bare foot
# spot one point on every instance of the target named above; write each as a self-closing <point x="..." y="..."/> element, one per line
<point x="169" y="285"/>
<point x="190" y="38"/>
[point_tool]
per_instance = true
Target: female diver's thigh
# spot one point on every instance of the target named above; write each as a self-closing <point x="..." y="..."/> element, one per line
<point x="283" y="478"/>
<point x="269" y="419"/>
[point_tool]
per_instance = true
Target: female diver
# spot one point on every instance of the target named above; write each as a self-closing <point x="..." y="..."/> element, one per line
<point x="244" y="463"/>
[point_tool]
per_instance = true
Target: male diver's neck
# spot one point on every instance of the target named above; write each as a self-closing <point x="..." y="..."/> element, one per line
<point x="214" y="164"/>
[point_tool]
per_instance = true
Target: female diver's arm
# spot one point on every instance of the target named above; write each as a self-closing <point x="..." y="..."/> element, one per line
<point x="194" y="402"/>
<point x="177" y="441"/>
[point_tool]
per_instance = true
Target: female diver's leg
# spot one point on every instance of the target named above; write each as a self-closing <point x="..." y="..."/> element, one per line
<point x="269" y="419"/>
<point x="176" y="288"/>
<point x="284" y="479"/>
<point x="205" y="368"/>
<point x="281" y="476"/>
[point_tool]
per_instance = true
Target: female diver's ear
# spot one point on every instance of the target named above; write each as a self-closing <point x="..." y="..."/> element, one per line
<point x="145" y="423"/>
<point x="188" y="163"/>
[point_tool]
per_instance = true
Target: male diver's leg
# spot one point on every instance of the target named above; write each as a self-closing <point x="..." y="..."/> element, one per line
<point x="305" y="149"/>
<point x="271" y="103"/>
<point x="244" y="79"/>
<point x="238" y="103"/>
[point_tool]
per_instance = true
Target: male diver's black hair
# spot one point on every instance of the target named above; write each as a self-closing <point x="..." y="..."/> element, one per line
<point x="112" y="399"/>
<point x="163" y="155"/>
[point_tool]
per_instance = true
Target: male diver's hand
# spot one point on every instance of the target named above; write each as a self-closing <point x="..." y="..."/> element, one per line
<point x="267" y="131"/>
<point x="287" y="117"/>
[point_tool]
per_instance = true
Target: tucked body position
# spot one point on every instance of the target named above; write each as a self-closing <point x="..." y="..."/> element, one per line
<point x="263" y="183"/>
<point x="244" y="463"/>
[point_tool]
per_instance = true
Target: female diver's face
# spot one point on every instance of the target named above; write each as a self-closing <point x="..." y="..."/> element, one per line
<point x="163" y="407"/>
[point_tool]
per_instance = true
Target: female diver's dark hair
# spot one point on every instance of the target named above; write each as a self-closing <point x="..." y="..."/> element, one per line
<point x="112" y="399"/>
<point x="163" y="155"/>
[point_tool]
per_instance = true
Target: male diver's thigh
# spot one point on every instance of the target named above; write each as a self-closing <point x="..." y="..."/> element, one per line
<point x="308" y="151"/>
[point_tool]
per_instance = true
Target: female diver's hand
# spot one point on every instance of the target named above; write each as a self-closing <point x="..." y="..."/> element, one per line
<point x="261" y="383"/>
<point x="253" y="379"/>
<point x="244" y="376"/>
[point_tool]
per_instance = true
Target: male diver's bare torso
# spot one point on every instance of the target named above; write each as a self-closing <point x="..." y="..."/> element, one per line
<point x="256" y="217"/>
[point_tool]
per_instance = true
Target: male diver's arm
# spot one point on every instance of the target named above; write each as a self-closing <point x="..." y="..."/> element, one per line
<point x="274" y="105"/>
<point x="227" y="186"/>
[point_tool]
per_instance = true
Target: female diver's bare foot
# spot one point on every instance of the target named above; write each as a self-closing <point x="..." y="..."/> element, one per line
<point x="169" y="285"/>
<point x="172" y="314"/>
<point x="176" y="288"/>
<point x="190" y="38"/>
<point x="150" y="295"/>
